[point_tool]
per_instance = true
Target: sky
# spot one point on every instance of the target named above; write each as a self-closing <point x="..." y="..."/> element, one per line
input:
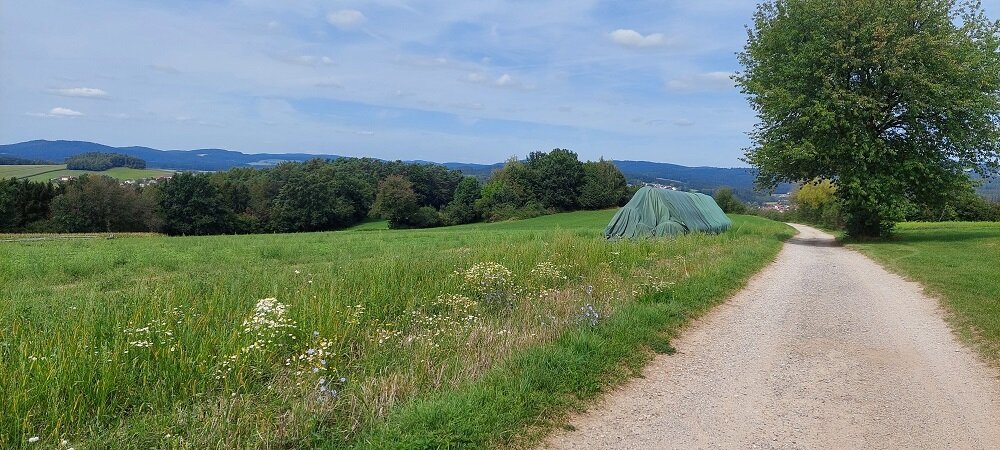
<point x="471" y="81"/>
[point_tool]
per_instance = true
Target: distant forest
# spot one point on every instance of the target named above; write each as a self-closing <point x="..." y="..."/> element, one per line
<point x="15" y="161"/>
<point x="98" y="161"/>
<point x="316" y="195"/>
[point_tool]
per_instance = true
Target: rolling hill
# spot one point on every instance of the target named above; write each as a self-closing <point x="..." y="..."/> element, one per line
<point x="683" y="177"/>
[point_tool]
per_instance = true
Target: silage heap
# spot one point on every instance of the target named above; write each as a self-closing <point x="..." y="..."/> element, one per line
<point x="654" y="212"/>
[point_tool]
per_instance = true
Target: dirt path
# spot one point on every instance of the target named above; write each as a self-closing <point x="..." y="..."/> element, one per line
<point x="823" y="349"/>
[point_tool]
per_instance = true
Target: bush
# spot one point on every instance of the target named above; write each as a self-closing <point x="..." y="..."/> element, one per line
<point x="425" y="217"/>
<point x="728" y="201"/>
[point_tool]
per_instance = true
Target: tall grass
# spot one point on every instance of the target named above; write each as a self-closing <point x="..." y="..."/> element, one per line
<point x="319" y="339"/>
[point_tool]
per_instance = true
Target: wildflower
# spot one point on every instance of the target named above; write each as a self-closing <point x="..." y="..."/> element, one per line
<point x="33" y="439"/>
<point x="315" y="333"/>
<point x="297" y="272"/>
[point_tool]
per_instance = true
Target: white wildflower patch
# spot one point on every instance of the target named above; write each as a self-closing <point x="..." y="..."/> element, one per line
<point x="491" y="282"/>
<point x="445" y="317"/>
<point x="315" y="361"/>
<point x="268" y="326"/>
<point x="548" y="271"/>
<point x="267" y="329"/>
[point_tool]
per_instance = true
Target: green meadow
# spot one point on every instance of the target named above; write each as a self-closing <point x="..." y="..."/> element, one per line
<point x="958" y="262"/>
<point x="481" y="335"/>
<point x="48" y="172"/>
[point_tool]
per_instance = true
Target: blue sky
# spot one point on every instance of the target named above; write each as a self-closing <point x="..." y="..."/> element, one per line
<point x="473" y="81"/>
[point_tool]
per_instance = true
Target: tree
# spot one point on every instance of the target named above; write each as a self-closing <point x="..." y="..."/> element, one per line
<point x="557" y="178"/>
<point x="190" y="205"/>
<point x="890" y="99"/>
<point x="728" y="201"/>
<point x="96" y="203"/>
<point x="816" y="202"/>
<point x="603" y="186"/>
<point x="510" y="193"/>
<point x="396" y="201"/>
<point x="24" y="204"/>
<point x="462" y="208"/>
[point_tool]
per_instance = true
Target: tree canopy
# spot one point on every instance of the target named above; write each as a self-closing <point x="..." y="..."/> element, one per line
<point x="99" y="161"/>
<point x="892" y="100"/>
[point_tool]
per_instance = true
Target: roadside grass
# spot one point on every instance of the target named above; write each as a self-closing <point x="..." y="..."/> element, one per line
<point x="958" y="262"/>
<point x="479" y="335"/>
<point x="48" y="172"/>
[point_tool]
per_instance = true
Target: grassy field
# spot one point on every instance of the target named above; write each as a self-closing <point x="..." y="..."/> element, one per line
<point x="956" y="261"/>
<point x="480" y="335"/>
<point x="48" y="172"/>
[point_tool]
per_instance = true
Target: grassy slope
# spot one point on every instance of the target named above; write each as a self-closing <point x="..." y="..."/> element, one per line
<point x="956" y="261"/>
<point x="48" y="172"/>
<point x="417" y="374"/>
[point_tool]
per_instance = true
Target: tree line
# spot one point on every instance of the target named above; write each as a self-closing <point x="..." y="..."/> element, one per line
<point x="316" y="195"/>
<point x="99" y="161"/>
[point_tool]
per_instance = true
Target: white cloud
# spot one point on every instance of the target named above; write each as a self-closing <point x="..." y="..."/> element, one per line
<point x="505" y="80"/>
<point x="83" y="92"/>
<point x="346" y="18"/>
<point x="708" y="81"/>
<point x="306" y="60"/>
<point x="632" y="38"/>
<point x="64" y="112"/>
<point x="58" y="112"/>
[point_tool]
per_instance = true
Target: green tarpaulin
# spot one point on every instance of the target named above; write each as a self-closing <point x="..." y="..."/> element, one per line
<point x="656" y="212"/>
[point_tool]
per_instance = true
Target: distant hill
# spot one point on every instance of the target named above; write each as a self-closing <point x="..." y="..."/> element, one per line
<point x="209" y="159"/>
<point x="683" y="177"/>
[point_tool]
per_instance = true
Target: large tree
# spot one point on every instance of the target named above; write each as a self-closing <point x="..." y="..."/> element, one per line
<point x="603" y="186"/>
<point x="893" y="100"/>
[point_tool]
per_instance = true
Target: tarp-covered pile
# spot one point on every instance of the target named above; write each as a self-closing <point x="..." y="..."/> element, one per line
<point x="656" y="212"/>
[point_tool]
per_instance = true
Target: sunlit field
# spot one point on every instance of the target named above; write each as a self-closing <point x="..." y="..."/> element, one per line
<point x="342" y="339"/>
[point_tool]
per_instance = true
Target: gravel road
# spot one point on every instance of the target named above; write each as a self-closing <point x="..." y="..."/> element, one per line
<point x="823" y="349"/>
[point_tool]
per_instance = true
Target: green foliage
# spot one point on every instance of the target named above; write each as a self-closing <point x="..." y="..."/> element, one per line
<point x="191" y="205"/>
<point x="817" y="203"/>
<point x="94" y="203"/>
<point x="603" y="187"/>
<point x="549" y="182"/>
<point x="890" y="99"/>
<point x="462" y="208"/>
<point x="396" y="201"/>
<point x="728" y="201"/>
<point x="316" y="196"/>
<point x="24" y="203"/>
<point x="99" y="161"/>
<point x="556" y="178"/>
<point x="7" y="160"/>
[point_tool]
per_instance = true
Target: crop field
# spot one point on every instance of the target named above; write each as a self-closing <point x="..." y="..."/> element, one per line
<point x="481" y="335"/>
<point x="48" y="172"/>
<point x="958" y="262"/>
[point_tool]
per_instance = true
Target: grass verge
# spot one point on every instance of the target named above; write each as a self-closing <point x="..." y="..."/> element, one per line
<point x="958" y="262"/>
<point x="517" y="402"/>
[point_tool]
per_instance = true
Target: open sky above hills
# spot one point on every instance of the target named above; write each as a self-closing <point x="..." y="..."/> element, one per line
<point x="443" y="81"/>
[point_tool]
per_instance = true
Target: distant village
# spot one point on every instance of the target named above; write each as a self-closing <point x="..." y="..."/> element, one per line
<point x="140" y="182"/>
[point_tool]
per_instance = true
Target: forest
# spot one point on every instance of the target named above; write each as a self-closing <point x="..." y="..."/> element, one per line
<point x="316" y="195"/>
<point x="99" y="161"/>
